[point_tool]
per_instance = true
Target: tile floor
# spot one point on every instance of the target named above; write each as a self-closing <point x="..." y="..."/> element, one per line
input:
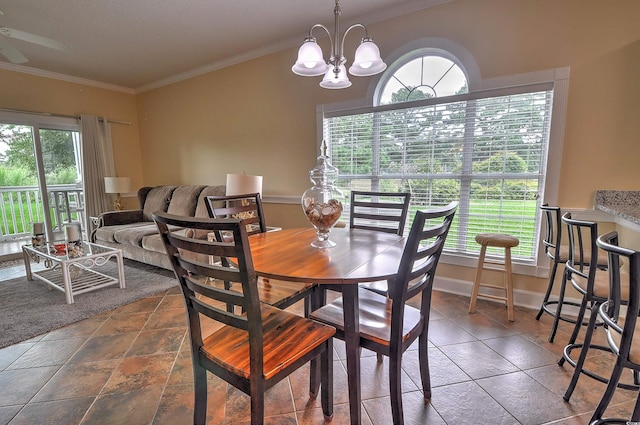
<point x="132" y="366"/>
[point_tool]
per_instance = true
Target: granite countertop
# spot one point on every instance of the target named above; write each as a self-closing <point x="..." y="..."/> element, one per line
<point x="621" y="203"/>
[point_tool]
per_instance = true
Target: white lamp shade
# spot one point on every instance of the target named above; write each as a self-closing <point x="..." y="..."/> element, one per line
<point x="367" y="60"/>
<point x="117" y="184"/>
<point x="333" y="81"/>
<point x="310" y="62"/>
<point x="240" y="184"/>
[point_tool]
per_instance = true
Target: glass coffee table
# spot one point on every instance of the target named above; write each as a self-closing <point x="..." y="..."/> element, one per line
<point x="75" y="269"/>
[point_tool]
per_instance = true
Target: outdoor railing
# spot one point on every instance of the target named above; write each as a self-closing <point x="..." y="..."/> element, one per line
<point x="20" y="206"/>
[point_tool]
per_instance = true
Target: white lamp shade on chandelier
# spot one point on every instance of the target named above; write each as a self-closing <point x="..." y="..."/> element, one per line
<point x="367" y="60"/>
<point x="311" y="62"/>
<point x="332" y="80"/>
<point x="241" y="184"/>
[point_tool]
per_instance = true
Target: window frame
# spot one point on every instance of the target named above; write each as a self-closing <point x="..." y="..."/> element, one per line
<point x="559" y="78"/>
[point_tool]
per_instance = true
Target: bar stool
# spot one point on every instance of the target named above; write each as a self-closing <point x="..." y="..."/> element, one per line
<point x="500" y="241"/>
<point x="593" y="284"/>
<point x="559" y="254"/>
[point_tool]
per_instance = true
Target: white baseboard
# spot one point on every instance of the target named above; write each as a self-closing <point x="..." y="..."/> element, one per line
<point x="522" y="298"/>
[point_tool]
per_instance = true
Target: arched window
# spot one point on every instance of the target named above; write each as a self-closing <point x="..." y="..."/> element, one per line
<point x="432" y="132"/>
<point x="426" y="76"/>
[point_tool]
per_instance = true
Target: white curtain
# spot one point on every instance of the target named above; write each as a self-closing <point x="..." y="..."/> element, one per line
<point x="97" y="162"/>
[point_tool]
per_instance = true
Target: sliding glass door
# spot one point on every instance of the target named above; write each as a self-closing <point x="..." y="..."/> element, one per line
<point x="40" y="175"/>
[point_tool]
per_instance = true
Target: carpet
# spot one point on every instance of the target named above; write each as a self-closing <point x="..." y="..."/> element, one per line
<point x="29" y="308"/>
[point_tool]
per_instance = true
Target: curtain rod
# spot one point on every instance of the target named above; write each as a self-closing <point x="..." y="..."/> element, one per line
<point x="48" y="114"/>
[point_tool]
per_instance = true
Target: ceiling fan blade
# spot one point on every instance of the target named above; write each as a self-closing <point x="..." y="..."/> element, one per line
<point x="10" y="52"/>
<point x="33" y="38"/>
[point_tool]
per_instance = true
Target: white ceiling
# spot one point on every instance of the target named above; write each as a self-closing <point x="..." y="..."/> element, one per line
<point x="141" y="44"/>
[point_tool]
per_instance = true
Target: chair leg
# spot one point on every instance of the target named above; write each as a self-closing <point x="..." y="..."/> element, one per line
<point x="545" y="300"/>
<point x="576" y="328"/>
<point x="616" y="373"/>
<point x="556" y="318"/>
<point x="423" y="359"/>
<point x="200" y="390"/>
<point x="508" y="283"/>
<point x="583" y="352"/>
<point x="257" y="403"/>
<point x="317" y="299"/>
<point x="476" y="282"/>
<point x="395" y="387"/>
<point x="326" y="359"/>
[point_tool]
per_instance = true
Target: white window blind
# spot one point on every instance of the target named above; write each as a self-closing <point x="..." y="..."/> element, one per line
<point x="486" y="150"/>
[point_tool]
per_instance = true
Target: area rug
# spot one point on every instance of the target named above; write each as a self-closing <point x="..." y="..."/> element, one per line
<point x="29" y="308"/>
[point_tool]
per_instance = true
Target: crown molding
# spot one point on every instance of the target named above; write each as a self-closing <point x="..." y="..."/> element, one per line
<point x="64" y="77"/>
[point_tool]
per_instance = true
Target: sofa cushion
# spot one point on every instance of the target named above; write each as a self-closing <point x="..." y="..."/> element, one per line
<point x="107" y="233"/>
<point x="154" y="242"/>
<point x="134" y="235"/>
<point x="157" y="200"/>
<point x="201" y="209"/>
<point x="184" y="200"/>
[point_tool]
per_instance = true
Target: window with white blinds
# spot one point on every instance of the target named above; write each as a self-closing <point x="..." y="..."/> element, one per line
<point x="487" y="150"/>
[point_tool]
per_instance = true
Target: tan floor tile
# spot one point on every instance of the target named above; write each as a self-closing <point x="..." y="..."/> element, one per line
<point x="278" y="401"/>
<point x="20" y="385"/>
<point x="105" y="347"/>
<point x="521" y="352"/>
<point x="468" y="403"/>
<point x="415" y="411"/>
<point x="514" y="392"/>
<point x="48" y="353"/>
<point x="157" y="341"/>
<point x="445" y="332"/>
<point x="441" y="369"/>
<point x="168" y="318"/>
<point x="9" y="354"/>
<point x="68" y="412"/>
<point x="477" y="360"/>
<point x="135" y="373"/>
<point x="176" y="405"/>
<point x="123" y="323"/>
<point x="77" y="380"/>
<point x="132" y="408"/>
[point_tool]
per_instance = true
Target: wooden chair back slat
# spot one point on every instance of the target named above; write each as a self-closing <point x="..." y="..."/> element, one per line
<point x="373" y="211"/>
<point x="248" y="207"/>
<point x="422" y="253"/>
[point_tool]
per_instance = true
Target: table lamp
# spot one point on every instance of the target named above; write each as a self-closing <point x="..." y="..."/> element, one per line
<point x="241" y="184"/>
<point x="117" y="185"/>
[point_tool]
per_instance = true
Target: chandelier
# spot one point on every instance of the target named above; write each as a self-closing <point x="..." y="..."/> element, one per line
<point x="311" y="62"/>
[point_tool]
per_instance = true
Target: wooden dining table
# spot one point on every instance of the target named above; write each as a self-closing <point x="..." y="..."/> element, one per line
<point x="359" y="256"/>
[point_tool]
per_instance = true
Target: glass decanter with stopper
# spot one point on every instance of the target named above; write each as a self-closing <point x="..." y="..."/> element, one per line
<point x="322" y="203"/>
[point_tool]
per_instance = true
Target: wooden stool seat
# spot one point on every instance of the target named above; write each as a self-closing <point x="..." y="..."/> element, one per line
<point x="497" y="240"/>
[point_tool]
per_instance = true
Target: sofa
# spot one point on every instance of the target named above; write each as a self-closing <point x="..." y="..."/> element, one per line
<point x="134" y="231"/>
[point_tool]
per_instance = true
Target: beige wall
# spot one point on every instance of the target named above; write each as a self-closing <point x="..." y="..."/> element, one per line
<point x="37" y="94"/>
<point x="258" y="117"/>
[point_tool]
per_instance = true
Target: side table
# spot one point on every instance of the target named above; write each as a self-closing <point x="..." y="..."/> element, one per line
<point x="71" y="273"/>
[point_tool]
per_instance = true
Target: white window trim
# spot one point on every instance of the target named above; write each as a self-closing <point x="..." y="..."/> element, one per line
<point x="560" y="79"/>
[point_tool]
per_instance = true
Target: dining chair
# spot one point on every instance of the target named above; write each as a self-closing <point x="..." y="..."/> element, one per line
<point x="252" y="350"/>
<point x="388" y="324"/>
<point x="621" y="327"/>
<point x="593" y="284"/>
<point x="559" y="254"/>
<point x="381" y="212"/>
<point x="280" y="294"/>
